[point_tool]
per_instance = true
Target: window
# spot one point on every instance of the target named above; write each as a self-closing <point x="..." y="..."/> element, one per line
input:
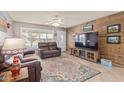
<point x="43" y="37"/>
<point x="35" y="35"/>
<point x="27" y="38"/>
<point x="50" y="37"/>
<point x="32" y="38"/>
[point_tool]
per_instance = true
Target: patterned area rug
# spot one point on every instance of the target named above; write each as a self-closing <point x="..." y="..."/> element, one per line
<point x="64" y="69"/>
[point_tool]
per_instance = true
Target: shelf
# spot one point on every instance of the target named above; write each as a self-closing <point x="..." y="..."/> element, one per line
<point x="87" y="54"/>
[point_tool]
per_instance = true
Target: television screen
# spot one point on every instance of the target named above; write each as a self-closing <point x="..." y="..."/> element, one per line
<point x="77" y="44"/>
<point x="92" y="40"/>
<point x="82" y="39"/>
<point x="88" y="40"/>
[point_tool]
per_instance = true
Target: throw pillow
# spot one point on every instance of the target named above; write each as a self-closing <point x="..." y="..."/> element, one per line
<point x="9" y="58"/>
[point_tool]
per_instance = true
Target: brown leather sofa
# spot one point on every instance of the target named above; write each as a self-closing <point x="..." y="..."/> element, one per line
<point x="34" y="67"/>
<point x="48" y="49"/>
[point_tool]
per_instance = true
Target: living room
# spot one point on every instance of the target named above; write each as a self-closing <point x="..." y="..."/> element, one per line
<point x="61" y="46"/>
<point x="64" y="46"/>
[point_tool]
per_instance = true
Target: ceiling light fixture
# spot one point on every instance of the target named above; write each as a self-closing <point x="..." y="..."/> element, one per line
<point x="55" y="24"/>
<point x="56" y="21"/>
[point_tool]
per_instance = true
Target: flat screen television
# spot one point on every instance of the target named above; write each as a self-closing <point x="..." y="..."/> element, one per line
<point x="87" y="40"/>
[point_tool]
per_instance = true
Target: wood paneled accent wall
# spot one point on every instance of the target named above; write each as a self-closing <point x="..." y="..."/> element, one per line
<point x="114" y="52"/>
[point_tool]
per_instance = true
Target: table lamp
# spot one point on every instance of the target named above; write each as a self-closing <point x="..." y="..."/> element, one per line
<point x="14" y="46"/>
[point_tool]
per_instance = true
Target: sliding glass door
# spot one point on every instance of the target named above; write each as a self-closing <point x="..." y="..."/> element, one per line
<point x="61" y="40"/>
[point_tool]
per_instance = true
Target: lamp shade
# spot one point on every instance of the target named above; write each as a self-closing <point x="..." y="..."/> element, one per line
<point x="13" y="46"/>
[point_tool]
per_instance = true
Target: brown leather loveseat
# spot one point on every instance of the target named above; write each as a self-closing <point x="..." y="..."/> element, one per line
<point x="48" y="49"/>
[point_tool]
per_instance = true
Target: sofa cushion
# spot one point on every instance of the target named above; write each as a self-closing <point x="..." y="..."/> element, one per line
<point x="52" y="47"/>
<point x="45" y="48"/>
<point x="50" y="51"/>
<point x="52" y="44"/>
<point x="41" y="44"/>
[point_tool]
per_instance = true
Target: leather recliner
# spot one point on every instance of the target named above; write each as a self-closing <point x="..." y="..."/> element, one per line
<point x="48" y="49"/>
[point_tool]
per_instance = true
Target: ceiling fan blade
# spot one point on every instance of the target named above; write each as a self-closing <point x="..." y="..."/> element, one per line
<point x="56" y="20"/>
<point x="60" y="22"/>
<point x="50" y="22"/>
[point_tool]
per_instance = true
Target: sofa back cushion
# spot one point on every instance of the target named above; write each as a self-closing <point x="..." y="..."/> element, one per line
<point x="52" y="45"/>
<point x="43" y="46"/>
<point x="48" y="46"/>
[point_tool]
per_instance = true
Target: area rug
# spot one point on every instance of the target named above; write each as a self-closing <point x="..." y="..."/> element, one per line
<point x="65" y="69"/>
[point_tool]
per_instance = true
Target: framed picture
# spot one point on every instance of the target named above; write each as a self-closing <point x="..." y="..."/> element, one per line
<point x="116" y="28"/>
<point x="88" y="27"/>
<point x="113" y="39"/>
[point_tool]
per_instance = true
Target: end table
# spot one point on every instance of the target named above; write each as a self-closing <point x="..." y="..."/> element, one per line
<point x="23" y="77"/>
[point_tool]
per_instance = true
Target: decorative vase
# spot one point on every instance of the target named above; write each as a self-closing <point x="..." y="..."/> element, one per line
<point x="15" y="68"/>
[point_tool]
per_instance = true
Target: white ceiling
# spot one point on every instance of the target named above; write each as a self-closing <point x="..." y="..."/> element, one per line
<point x="70" y="18"/>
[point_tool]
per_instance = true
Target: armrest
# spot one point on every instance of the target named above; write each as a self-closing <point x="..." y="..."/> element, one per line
<point x="4" y="67"/>
<point x="32" y="63"/>
<point x="58" y="48"/>
<point x="34" y="70"/>
<point x="29" y="52"/>
<point x="39" y="51"/>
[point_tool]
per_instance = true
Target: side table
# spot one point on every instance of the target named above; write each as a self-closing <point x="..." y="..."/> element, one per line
<point x="23" y="77"/>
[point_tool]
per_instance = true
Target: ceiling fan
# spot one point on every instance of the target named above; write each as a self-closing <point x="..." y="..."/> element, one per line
<point x="56" y="21"/>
